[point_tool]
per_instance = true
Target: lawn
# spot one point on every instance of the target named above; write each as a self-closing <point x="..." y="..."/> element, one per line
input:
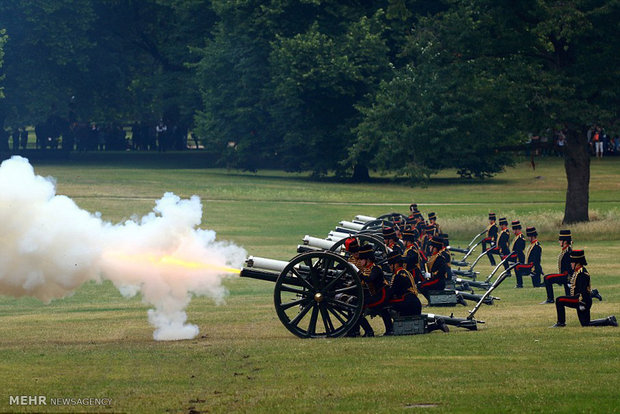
<point x="97" y="344"/>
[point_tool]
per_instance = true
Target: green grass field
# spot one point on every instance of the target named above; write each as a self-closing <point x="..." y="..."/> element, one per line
<point x="97" y="344"/>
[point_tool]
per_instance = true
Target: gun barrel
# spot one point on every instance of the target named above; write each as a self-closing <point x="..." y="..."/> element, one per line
<point x="351" y="225"/>
<point x="266" y="264"/>
<point x="316" y="242"/>
<point x="365" y="219"/>
<point x="470" y="324"/>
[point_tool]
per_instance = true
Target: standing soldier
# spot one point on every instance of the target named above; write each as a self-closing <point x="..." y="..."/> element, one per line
<point x="517" y="248"/>
<point x="491" y="237"/>
<point x="580" y="296"/>
<point x="532" y="257"/>
<point x="564" y="267"/>
<point x="502" y="248"/>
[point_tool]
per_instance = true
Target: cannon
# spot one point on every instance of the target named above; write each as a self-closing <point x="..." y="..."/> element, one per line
<point x="318" y="294"/>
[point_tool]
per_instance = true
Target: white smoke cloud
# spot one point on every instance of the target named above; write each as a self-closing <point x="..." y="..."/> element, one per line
<point x="49" y="247"/>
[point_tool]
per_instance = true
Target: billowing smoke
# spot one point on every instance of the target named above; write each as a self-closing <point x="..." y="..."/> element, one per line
<point x="49" y="247"/>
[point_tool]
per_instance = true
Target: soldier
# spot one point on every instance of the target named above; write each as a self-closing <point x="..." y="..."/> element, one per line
<point x="413" y="208"/>
<point x="491" y="237"/>
<point x="404" y="299"/>
<point x="564" y="267"/>
<point x="432" y="218"/>
<point x="532" y="258"/>
<point x="436" y="269"/>
<point x="376" y="295"/>
<point x="516" y="250"/>
<point x="352" y="246"/>
<point x="412" y="254"/>
<point x="580" y="295"/>
<point x="502" y="248"/>
<point x="391" y="239"/>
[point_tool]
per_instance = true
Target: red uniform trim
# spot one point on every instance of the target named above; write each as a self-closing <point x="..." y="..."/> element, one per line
<point x="432" y="282"/>
<point x="553" y="275"/>
<point x="569" y="300"/>
<point x="525" y="266"/>
<point x="379" y="302"/>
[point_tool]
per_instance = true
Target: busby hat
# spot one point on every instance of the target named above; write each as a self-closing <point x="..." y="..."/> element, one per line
<point x="413" y="207"/>
<point x="578" y="256"/>
<point x="492" y="216"/>
<point x="352" y="245"/>
<point x="516" y="224"/>
<point x="503" y="221"/>
<point x="565" y="235"/>
<point x="432" y="216"/>
<point x="394" y="257"/>
<point x="437" y="242"/>
<point x="366" y="252"/>
<point x="445" y="238"/>
<point x="531" y="232"/>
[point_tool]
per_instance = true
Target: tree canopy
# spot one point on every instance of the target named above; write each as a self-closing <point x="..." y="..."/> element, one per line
<point x="404" y="86"/>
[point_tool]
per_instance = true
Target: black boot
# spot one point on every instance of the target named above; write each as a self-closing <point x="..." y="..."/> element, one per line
<point x="595" y="294"/>
<point x="609" y="321"/>
<point x="439" y="324"/>
<point x="366" y="326"/>
<point x="387" y="321"/>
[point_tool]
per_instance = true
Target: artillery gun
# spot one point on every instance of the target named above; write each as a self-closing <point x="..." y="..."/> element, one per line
<point x="319" y="294"/>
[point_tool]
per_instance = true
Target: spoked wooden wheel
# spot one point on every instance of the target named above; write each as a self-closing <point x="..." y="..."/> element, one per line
<point x="318" y="294"/>
<point x="393" y="216"/>
<point x="377" y="225"/>
<point x="375" y="241"/>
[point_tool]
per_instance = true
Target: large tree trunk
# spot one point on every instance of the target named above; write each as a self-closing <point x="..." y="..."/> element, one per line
<point x="360" y="174"/>
<point x="577" y="166"/>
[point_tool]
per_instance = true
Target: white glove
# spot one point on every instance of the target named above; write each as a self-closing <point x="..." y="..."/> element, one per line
<point x="427" y="275"/>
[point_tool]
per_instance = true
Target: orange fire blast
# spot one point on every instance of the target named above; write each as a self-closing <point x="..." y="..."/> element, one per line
<point x="171" y="261"/>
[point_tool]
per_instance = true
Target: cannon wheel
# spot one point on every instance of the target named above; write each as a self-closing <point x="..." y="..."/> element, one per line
<point x="318" y="295"/>
<point x="375" y="241"/>
<point x="377" y="224"/>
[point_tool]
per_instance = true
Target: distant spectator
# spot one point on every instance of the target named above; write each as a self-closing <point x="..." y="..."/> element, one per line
<point x="15" y="137"/>
<point x="24" y="138"/>
<point x="4" y="140"/>
<point x="597" y="139"/>
<point x="561" y="143"/>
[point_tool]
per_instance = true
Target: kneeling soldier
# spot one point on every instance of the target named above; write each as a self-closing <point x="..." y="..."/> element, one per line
<point x="404" y="298"/>
<point x="580" y="295"/>
<point x="376" y="294"/>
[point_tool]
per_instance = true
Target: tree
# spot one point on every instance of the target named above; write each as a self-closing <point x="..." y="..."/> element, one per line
<point x="317" y="79"/>
<point x="106" y="60"/>
<point x="2" y="42"/>
<point x="483" y="73"/>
